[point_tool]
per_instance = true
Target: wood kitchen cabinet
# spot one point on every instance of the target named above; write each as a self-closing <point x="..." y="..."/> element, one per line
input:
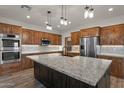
<point x="117" y="66"/>
<point x="112" y="35"/>
<point x="95" y="31"/>
<point x="10" y="29"/>
<point x="30" y="36"/>
<point x="16" y="30"/>
<point x="75" y="38"/>
<point x="27" y="36"/>
<point x="36" y="37"/>
<point x="9" y="68"/>
<point x="56" y="39"/>
<point x="26" y="63"/>
<point x="5" y="28"/>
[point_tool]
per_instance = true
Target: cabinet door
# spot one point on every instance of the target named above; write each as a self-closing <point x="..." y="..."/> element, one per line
<point x="26" y="36"/>
<point x="44" y="75"/>
<point x="90" y="32"/>
<point x="36" y="37"/>
<point x="75" y="38"/>
<point x="106" y="35"/>
<point x="117" y="66"/>
<point x="26" y="63"/>
<point x="5" y="28"/>
<point x="37" y="71"/>
<point x="119" y="31"/>
<point x="112" y="35"/>
<point x="59" y="39"/>
<point x="9" y="68"/>
<point x="16" y="30"/>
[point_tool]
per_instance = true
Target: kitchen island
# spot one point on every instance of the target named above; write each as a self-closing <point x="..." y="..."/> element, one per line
<point x="64" y="72"/>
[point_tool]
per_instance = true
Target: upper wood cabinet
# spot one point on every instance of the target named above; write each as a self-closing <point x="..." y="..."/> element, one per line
<point x="16" y="30"/>
<point x="75" y="38"/>
<point x="30" y="36"/>
<point x="27" y="36"/>
<point x="112" y="35"/>
<point x="56" y="40"/>
<point x="5" y="28"/>
<point x="10" y="29"/>
<point x="34" y="37"/>
<point x="90" y="32"/>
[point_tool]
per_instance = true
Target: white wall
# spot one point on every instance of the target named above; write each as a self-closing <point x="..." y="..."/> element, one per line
<point x="25" y="25"/>
<point x="106" y="22"/>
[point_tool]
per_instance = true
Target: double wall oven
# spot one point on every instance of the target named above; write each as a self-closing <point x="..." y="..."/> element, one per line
<point x="10" y="48"/>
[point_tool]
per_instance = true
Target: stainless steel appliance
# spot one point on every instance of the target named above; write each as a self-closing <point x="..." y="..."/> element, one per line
<point x="88" y="46"/>
<point x="10" y="48"/>
<point x="10" y="56"/>
<point x="10" y="42"/>
<point x="45" y="42"/>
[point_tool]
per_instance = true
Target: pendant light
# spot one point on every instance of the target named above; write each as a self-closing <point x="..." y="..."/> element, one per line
<point x="86" y="13"/>
<point x="63" y="18"/>
<point x="89" y="12"/>
<point x="48" y="25"/>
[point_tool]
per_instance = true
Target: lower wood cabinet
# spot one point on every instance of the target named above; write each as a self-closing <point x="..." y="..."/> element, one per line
<point x="117" y="66"/>
<point x="9" y="68"/>
<point x="25" y="63"/>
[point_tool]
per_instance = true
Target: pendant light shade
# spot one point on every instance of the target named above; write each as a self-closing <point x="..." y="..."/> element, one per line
<point x="91" y="13"/>
<point x="63" y="18"/>
<point x="62" y="21"/>
<point x="65" y="22"/>
<point x="48" y="25"/>
<point x="86" y="12"/>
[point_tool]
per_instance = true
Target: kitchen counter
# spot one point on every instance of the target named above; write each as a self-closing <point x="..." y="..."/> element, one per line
<point x="111" y="55"/>
<point x="85" y="69"/>
<point x="77" y="52"/>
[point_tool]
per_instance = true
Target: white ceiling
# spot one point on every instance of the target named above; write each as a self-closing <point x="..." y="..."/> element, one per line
<point x="74" y="14"/>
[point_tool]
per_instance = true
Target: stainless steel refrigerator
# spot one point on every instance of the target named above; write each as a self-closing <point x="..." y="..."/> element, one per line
<point x="88" y="46"/>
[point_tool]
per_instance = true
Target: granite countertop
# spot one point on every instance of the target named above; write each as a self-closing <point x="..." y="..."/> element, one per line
<point x="111" y="55"/>
<point x="85" y="69"/>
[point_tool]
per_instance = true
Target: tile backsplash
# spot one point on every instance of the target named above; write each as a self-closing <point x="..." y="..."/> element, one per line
<point x="75" y="47"/>
<point x="39" y="47"/>
<point x="113" y="49"/>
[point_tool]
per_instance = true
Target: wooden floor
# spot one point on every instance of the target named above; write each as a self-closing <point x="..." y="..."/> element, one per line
<point x="22" y="79"/>
<point x="25" y="79"/>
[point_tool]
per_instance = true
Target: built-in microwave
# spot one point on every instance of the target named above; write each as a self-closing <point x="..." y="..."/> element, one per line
<point x="10" y="42"/>
<point x="10" y="56"/>
<point x="45" y="42"/>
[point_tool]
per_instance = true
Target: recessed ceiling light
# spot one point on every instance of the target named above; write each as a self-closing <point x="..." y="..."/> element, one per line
<point x="28" y="17"/>
<point x="58" y="26"/>
<point x="69" y="22"/>
<point x="110" y="9"/>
